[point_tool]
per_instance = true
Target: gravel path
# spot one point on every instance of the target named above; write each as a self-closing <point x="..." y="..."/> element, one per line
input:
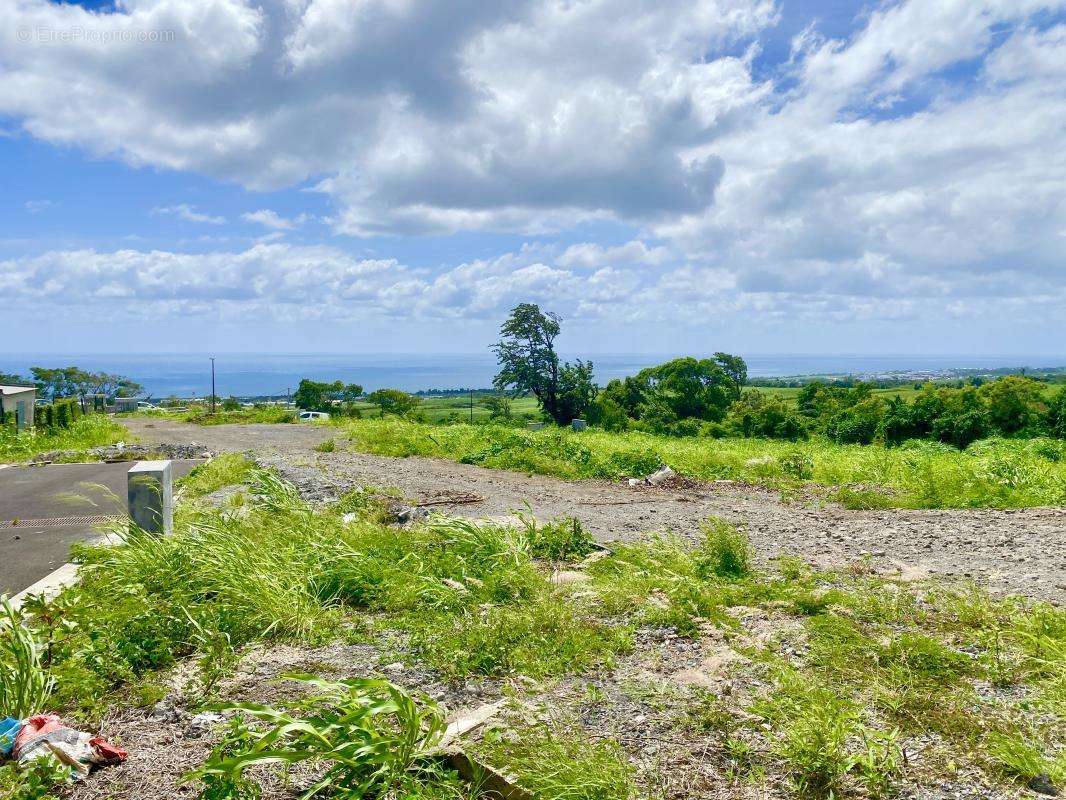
<point x="1017" y="551"/>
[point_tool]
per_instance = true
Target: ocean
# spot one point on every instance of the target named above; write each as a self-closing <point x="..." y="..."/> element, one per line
<point x="272" y="374"/>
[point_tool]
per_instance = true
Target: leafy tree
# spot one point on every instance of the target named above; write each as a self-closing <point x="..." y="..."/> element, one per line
<point x="394" y="401"/>
<point x="606" y="413"/>
<point x="1014" y="403"/>
<point x="318" y="396"/>
<point x="11" y="379"/>
<point x="689" y="388"/>
<point x="927" y="407"/>
<point x="528" y="363"/>
<point x="577" y="392"/>
<point x="231" y="404"/>
<point x="758" y="414"/>
<point x="737" y="370"/>
<point x="1056" y="414"/>
<point x="897" y="423"/>
<point x="857" y="424"/>
<point x="72" y="381"/>
<point x="964" y="418"/>
<point x="499" y="406"/>
<point x="629" y="394"/>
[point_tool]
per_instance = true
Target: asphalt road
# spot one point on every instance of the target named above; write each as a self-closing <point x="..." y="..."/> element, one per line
<point x="43" y="500"/>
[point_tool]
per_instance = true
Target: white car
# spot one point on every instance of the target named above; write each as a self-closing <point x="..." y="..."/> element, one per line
<point x="306" y="416"/>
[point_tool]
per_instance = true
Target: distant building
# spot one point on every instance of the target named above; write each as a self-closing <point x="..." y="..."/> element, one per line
<point x="18" y="400"/>
<point x="125" y="404"/>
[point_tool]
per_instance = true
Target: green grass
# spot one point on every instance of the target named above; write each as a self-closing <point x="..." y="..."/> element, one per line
<point x="458" y="408"/>
<point x="93" y="430"/>
<point x="994" y="473"/>
<point x="558" y="764"/>
<point x="226" y="469"/>
<point x="201" y="415"/>
<point x="859" y="665"/>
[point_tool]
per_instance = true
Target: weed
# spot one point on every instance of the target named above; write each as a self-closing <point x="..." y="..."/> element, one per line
<point x="1016" y="757"/>
<point x="725" y="551"/>
<point x="862" y="499"/>
<point x="24" y="684"/>
<point x="559" y="540"/>
<point x="815" y="746"/>
<point x="554" y="765"/>
<point x="365" y="734"/>
<point x="40" y="780"/>
<point x="538" y="638"/>
<point x="327" y="446"/>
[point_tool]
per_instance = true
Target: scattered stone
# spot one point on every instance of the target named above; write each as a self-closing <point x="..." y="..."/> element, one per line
<point x="404" y="514"/>
<point x="1041" y="784"/>
<point x="202" y="723"/>
<point x="166" y="711"/>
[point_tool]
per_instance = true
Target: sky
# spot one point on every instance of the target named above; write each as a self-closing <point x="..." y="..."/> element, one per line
<point x="342" y="176"/>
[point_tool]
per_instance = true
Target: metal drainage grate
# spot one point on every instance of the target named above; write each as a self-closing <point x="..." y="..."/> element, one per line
<point x="60" y="522"/>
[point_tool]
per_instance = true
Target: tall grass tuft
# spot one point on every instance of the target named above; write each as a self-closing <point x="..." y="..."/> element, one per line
<point x="24" y="685"/>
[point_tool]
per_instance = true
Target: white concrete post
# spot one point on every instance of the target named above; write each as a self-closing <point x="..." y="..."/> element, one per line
<point x="151" y="496"/>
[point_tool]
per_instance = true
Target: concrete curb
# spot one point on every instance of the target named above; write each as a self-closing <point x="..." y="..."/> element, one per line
<point x="50" y="585"/>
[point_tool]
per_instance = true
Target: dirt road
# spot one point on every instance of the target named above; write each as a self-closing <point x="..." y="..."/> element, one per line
<point x="1017" y="551"/>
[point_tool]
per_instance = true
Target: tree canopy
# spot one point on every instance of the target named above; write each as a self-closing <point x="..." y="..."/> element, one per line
<point x="72" y="381"/>
<point x="529" y="364"/>
<point x="394" y="401"/>
<point x="318" y="396"/>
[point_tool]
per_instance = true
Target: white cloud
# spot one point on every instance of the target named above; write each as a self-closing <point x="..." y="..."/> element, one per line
<point x="188" y="213"/>
<point x="283" y="282"/>
<point x="271" y="219"/>
<point x="589" y="254"/>
<point x="37" y="206"/>
<point x="913" y="166"/>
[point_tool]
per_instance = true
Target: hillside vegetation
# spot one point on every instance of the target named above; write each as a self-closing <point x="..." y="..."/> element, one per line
<point x="992" y="473"/>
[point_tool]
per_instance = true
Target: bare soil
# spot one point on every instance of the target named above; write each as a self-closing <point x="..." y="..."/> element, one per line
<point x="1017" y="551"/>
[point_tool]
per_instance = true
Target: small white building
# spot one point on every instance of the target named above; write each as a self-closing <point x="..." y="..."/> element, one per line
<point x="18" y="400"/>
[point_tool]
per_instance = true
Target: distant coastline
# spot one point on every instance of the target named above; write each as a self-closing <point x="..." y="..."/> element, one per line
<point x="260" y="375"/>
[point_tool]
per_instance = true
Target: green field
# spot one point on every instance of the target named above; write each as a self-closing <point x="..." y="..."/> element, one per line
<point x="993" y="473"/>
<point x="907" y="392"/>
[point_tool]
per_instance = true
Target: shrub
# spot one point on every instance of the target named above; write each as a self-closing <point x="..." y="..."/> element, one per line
<point x="558" y="540"/>
<point x="858" y="424"/>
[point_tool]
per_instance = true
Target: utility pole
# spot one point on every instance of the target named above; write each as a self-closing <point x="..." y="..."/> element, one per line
<point x="212" y="384"/>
